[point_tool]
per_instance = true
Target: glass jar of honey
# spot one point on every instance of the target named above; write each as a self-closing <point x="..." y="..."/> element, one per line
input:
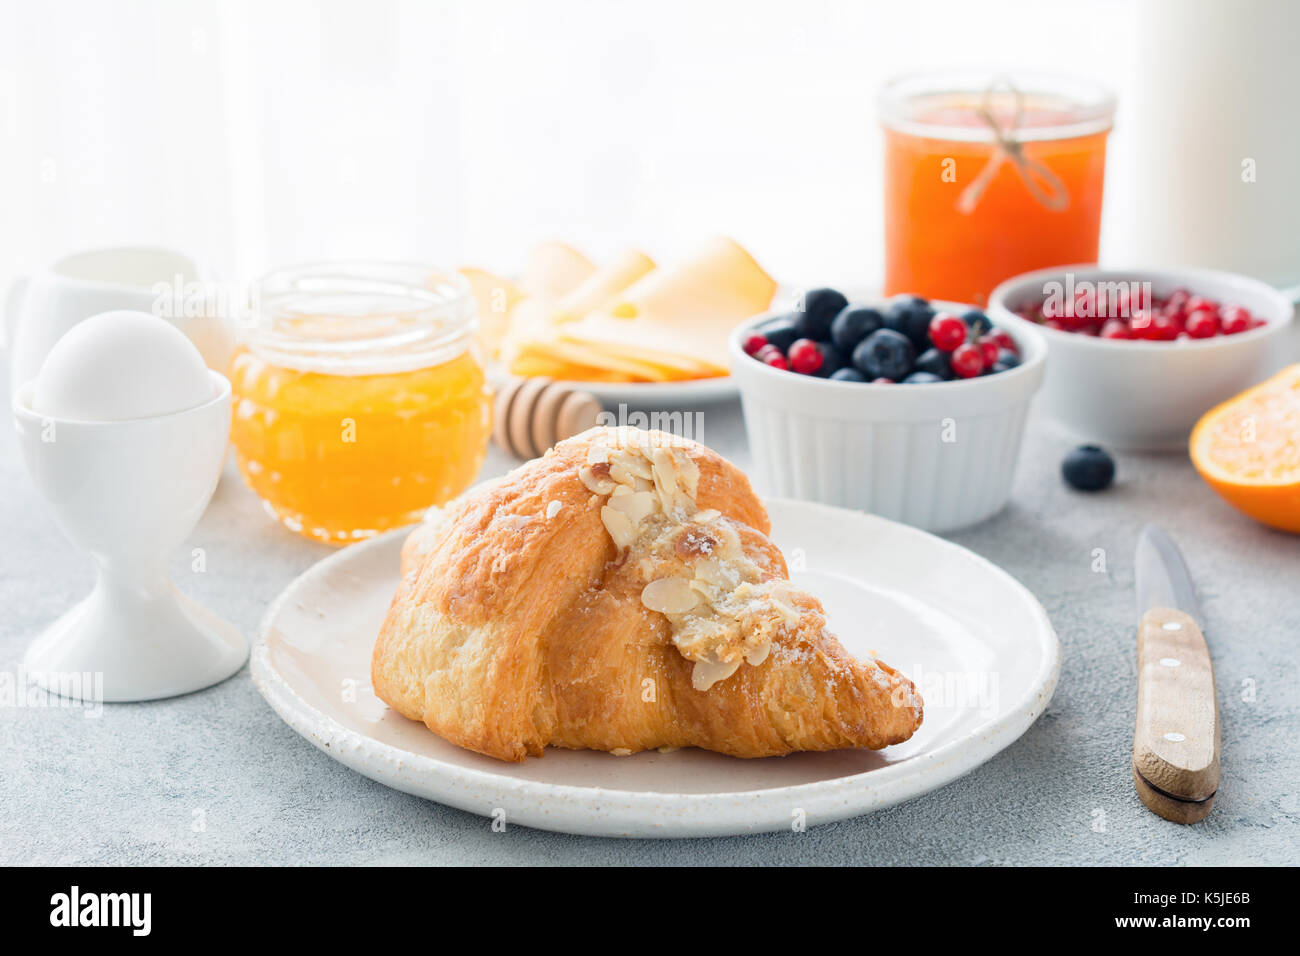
<point x="988" y="176"/>
<point x="359" y="396"/>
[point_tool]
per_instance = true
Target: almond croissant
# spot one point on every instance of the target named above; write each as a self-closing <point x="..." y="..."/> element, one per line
<point x="621" y="594"/>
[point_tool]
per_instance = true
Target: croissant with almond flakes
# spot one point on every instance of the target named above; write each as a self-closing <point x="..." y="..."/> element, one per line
<point x="621" y="594"/>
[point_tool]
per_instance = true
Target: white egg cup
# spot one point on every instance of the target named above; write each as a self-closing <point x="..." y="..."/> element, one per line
<point x="129" y="492"/>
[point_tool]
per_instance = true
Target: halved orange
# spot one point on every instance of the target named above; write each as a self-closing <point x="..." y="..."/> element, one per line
<point x="1248" y="450"/>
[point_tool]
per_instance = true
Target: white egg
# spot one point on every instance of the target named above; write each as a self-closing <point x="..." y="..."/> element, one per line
<point x="118" y="366"/>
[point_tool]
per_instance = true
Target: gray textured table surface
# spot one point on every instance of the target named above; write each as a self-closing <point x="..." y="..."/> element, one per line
<point x="217" y="778"/>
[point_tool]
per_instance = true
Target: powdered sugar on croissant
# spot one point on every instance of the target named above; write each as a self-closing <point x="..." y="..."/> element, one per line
<point x="621" y="594"/>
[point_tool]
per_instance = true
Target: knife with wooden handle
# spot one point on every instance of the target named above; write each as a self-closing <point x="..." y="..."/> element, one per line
<point x="1176" y="738"/>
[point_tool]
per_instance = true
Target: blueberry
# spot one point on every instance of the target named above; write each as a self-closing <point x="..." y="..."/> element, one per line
<point x="935" y="362"/>
<point x="911" y="317"/>
<point x="832" y="359"/>
<point x="1088" y="468"/>
<point x="848" y="374"/>
<point x="853" y="324"/>
<point x="884" y="354"/>
<point x="922" y="378"/>
<point x="998" y="367"/>
<point x="780" y="332"/>
<point x="977" y="320"/>
<point x="1007" y="359"/>
<point x="820" y="306"/>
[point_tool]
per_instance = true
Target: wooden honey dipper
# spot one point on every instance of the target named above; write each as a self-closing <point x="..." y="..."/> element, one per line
<point x="532" y="414"/>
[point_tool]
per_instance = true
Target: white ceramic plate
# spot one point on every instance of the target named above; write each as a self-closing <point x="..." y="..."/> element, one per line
<point x="698" y="391"/>
<point x="978" y="644"/>
<point x="662" y="394"/>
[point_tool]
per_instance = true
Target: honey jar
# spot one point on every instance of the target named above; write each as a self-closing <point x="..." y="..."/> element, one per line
<point x="359" y="396"/>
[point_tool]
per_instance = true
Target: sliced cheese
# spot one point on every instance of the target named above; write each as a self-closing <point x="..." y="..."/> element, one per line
<point x="532" y="326"/>
<point x="555" y="269"/>
<point x="532" y="366"/>
<point x="530" y="321"/>
<point x="495" y="297"/>
<point x="603" y="287"/>
<point x="629" y="321"/>
<point x="687" y="310"/>
<point x="671" y="364"/>
<point x="632" y="367"/>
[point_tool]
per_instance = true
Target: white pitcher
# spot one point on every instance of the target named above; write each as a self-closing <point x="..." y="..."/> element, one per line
<point x="1208" y="169"/>
<point x="43" y="306"/>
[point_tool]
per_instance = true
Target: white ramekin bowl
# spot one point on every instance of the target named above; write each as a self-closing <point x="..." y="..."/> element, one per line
<point x="1148" y="395"/>
<point x="939" y="457"/>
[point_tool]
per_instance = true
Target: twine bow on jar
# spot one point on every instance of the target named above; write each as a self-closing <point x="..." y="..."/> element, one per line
<point x="1043" y="184"/>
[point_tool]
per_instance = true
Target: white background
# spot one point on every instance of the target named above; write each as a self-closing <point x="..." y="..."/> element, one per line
<point x="255" y="135"/>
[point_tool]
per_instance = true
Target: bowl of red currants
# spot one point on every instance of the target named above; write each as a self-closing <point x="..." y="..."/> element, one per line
<point x="909" y="409"/>
<point x="1138" y="355"/>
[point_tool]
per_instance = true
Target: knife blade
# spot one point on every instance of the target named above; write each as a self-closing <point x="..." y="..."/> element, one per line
<point x="1162" y="578"/>
<point x="1176" y="734"/>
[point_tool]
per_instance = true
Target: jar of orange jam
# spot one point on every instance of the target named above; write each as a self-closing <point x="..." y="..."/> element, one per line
<point x="359" y="396"/>
<point x="988" y="176"/>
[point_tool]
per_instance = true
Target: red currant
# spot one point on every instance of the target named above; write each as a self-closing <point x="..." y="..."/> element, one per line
<point x="1073" y="322"/>
<point x="947" y="331"/>
<point x="775" y="359"/>
<point x="988" y="350"/>
<point x="1202" y="324"/>
<point x="1112" y="306"/>
<point x="1181" y="315"/>
<point x="1162" y="329"/>
<point x="1140" y="324"/>
<point x="882" y="381"/>
<point x="967" y="360"/>
<point x="1235" y="319"/>
<point x="1084" y="303"/>
<point x="755" y="341"/>
<point x="1004" y="340"/>
<point x="805" y="356"/>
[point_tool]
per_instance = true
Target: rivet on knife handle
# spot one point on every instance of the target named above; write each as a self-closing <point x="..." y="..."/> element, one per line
<point x="1176" y="740"/>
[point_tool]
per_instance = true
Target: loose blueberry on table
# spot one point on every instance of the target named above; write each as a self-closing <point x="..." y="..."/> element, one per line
<point x="1088" y="468"/>
<point x="1178" y="316"/>
<point x="908" y="341"/>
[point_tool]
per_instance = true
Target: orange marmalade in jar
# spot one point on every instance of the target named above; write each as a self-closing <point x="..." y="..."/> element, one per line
<point x="987" y="177"/>
<point x="359" y="396"/>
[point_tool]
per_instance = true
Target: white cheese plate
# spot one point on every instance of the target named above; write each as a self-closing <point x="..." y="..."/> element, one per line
<point x="652" y="395"/>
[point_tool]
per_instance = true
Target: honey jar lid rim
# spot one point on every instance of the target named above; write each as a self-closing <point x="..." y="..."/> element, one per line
<point x="360" y="317"/>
